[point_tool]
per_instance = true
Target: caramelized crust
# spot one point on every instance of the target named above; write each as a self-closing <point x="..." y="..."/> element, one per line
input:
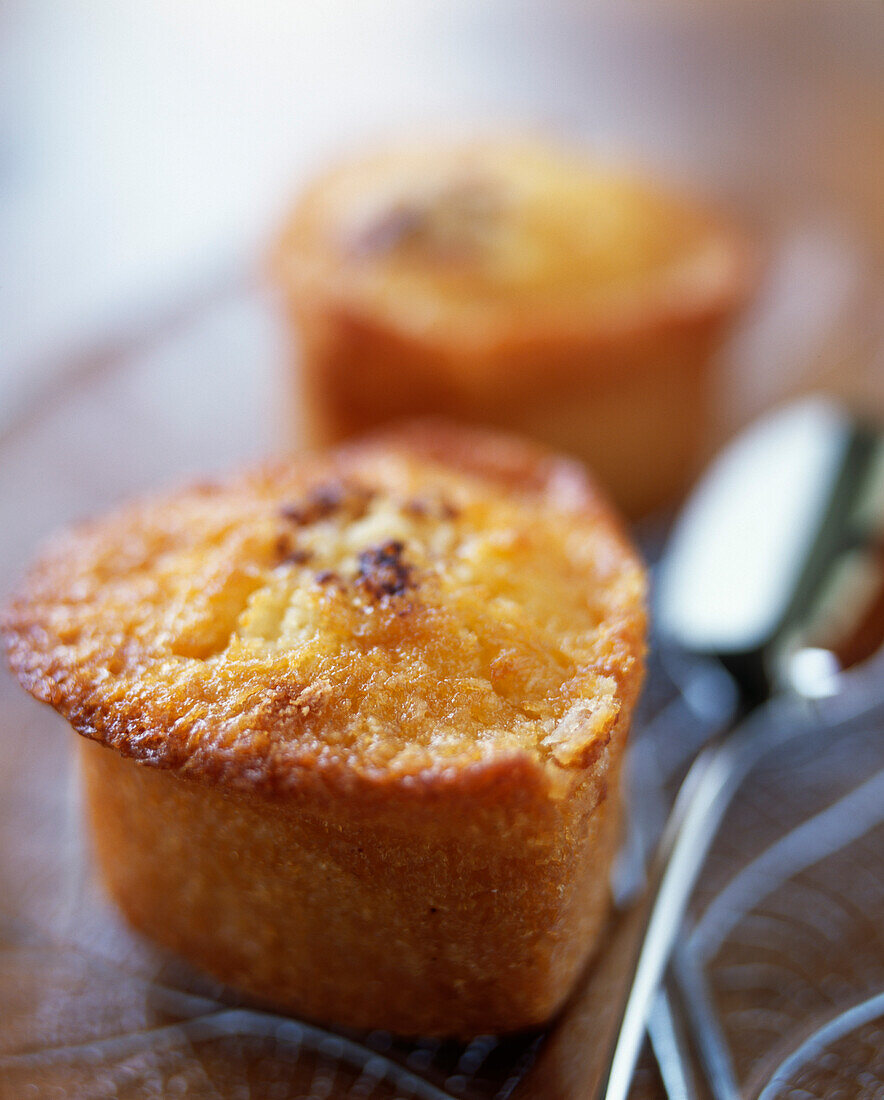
<point x="409" y="608"/>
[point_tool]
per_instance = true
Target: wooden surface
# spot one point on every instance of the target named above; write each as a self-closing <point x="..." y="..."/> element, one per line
<point x="787" y="924"/>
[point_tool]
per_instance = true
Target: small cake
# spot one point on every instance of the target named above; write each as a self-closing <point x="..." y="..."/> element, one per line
<point x="353" y="725"/>
<point x="516" y="285"/>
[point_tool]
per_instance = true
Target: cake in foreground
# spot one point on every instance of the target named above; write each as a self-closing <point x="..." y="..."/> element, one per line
<point x="353" y="725"/>
<point x="521" y="285"/>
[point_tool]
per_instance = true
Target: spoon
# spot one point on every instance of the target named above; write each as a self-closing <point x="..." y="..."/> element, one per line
<point x="771" y="565"/>
<point x="774" y="569"/>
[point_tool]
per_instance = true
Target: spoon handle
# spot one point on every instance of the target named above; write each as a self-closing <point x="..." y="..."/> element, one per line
<point x="699" y="808"/>
<point x="702" y="802"/>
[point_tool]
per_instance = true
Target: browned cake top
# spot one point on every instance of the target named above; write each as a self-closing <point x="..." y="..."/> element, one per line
<point x="403" y="610"/>
<point x="461" y="241"/>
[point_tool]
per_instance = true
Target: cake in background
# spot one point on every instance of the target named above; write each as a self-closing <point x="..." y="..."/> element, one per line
<point x="516" y="284"/>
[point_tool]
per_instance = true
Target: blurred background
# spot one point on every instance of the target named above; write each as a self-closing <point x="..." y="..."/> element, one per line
<point x="147" y="150"/>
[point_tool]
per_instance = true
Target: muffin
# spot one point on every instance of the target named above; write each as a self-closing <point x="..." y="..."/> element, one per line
<point x="516" y="285"/>
<point x="353" y="724"/>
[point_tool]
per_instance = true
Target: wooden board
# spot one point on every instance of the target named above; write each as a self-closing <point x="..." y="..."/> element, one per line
<point x="786" y="941"/>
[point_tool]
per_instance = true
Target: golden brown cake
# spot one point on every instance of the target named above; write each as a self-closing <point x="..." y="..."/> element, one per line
<point x="353" y="725"/>
<point x="517" y="285"/>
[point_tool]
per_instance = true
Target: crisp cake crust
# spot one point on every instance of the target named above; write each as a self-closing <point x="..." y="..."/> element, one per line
<point x="431" y="607"/>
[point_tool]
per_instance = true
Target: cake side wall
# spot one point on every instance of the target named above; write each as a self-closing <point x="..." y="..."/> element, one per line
<point x="447" y="923"/>
<point x="637" y="410"/>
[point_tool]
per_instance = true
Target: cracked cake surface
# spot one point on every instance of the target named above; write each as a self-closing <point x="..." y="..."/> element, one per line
<point x="426" y="606"/>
